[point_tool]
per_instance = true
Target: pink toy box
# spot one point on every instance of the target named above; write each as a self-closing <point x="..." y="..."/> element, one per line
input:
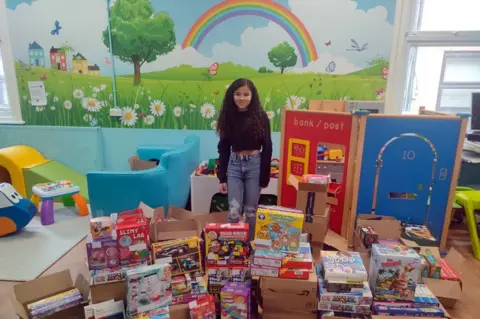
<point x="102" y="253"/>
<point x="133" y="237"/>
<point x="235" y="302"/>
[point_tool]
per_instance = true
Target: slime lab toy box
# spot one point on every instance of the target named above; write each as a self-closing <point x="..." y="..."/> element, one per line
<point x="148" y="288"/>
<point x="183" y="255"/>
<point x="343" y="267"/>
<point x="102" y="253"/>
<point x="278" y="228"/>
<point x="394" y="272"/>
<point x="227" y="244"/>
<point x="235" y="302"/>
<point x="133" y="237"/>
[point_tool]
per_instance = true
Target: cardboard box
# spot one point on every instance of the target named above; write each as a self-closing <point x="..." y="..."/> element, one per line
<point x="447" y="291"/>
<point x="387" y="227"/>
<point x="278" y="314"/>
<point x="112" y="290"/>
<point x="137" y="164"/>
<point x="44" y="287"/>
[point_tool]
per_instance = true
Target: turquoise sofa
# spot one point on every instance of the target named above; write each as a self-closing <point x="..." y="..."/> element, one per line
<point x="164" y="185"/>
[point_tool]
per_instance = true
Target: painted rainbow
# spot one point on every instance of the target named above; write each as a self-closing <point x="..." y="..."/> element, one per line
<point x="262" y="8"/>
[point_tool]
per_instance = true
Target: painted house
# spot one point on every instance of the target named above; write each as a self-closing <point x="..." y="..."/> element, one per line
<point x="79" y="64"/>
<point x="94" y="70"/>
<point x="36" y="54"/>
<point x="58" y="59"/>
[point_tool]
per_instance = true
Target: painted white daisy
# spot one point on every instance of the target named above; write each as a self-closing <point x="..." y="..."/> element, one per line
<point x="55" y="99"/>
<point x="96" y="89"/>
<point x="103" y="87"/>
<point x="177" y="111"/>
<point x="157" y="108"/>
<point x="52" y="108"/>
<point x="94" y="94"/>
<point x="213" y="125"/>
<point x="129" y="116"/>
<point x="270" y="114"/>
<point x="136" y="106"/>
<point x="39" y="108"/>
<point x="87" y="117"/>
<point x="207" y="110"/>
<point x="91" y="104"/>
<point x="78" y="94"/>
<point x="149" y="119"/>
<point x="293" y="102"/>
<point x="67" y="105"/>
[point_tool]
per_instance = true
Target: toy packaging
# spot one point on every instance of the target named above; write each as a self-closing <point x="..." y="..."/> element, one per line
<point x="386" y="310"/>
<point x="343" y="268"/>
<point x="278" y="228"/>
<point x="315" y="179"/>
<point x="101" y="227"/>
<point x="160" y="313"/>
<point x="227" y="244"/>
<point x="148" y="288"/>
<point x="276" y="259"/>
<point x="447" y="273"/>
<point x="235" y="302"/>
<point x="133" y="237"/>
<point x="263" y="271"/>
<point x="268" y="258"/>
<point x="51" y="305"/>
<point x="184" y="284"/>
<point x="294" y="273"/>
<point x="113" y="274"/>
<point x="183" y="255"/>
<point x="424" y="297"/>
<point x="203" y="308"/>
<point x="102" y="253"/>
<point x="218" y="276"/>
<point x="241" y="274"/>
<point x="362" y="296"/>
<point x="338" y="314"/>
<point x="363" y="309"/>
<point x="394" y="271"/>
<point x="432" y="266"/>
<point x="368" y="236"/>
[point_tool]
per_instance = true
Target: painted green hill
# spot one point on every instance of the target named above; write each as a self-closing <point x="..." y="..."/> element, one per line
<point x="226" y="71"/>
<point x="373" y="70"/>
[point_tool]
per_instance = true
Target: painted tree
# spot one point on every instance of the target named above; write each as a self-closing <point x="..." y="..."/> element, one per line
<point x="138" y="33"/>
<point x="283" y="56"/>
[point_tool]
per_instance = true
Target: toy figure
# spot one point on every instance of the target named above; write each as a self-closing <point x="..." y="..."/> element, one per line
<point x="15" y="211"/>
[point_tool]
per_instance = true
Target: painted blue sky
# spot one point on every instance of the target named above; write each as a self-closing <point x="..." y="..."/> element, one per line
<point x="226" y="41"/>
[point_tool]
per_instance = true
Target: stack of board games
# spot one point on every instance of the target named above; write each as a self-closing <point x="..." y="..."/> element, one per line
<point x="268" y="263"/>
<point x="343" y="285"/>
<point x="394" y="271"/>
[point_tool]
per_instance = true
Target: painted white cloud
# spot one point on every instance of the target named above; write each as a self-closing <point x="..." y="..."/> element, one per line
<point x="82" y="27"/>
<point x="177" y="57"/>
<point x="337" y="21"/>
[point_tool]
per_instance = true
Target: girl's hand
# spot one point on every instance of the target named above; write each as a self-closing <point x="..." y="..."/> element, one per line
<point x="223" y="188"/>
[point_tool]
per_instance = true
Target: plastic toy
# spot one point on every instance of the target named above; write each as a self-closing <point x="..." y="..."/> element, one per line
<point x="469" y="199"/>
<point x="47" y="192"/>
<point x="15" y="211"/>
<point x="167" y="184"/>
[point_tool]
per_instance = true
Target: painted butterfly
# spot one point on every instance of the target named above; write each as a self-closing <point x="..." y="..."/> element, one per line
<point x="329" y="43"/>
<point x="57" y="29"/>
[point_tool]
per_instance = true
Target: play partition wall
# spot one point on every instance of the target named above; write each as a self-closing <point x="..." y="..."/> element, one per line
<point x="408" y="168"/>
<point x="301" y="133"/>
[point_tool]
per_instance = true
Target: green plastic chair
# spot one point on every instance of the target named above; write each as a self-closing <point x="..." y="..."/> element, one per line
<point x="469" y="199"/>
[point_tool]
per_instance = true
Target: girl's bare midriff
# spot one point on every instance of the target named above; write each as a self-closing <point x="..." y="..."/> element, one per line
<point x="246" y="153"/>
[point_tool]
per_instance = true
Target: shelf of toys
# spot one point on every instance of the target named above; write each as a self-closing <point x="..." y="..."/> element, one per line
<point x="204" y="185"/>
<point x="410" y="170"/>
<point x="314" y="142"/>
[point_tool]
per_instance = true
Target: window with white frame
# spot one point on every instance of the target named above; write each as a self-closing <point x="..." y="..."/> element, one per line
<point x="9" y="102"/>
<point x="436" y="62"/>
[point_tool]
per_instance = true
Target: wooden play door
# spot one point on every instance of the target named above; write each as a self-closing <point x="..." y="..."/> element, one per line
<point x="404" y="179"/>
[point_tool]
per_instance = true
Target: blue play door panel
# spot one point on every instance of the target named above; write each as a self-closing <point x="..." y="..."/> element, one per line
<point x="413" y="149"/>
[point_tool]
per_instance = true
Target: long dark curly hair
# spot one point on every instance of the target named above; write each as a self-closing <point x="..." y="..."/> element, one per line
<point x="228" y="118"/>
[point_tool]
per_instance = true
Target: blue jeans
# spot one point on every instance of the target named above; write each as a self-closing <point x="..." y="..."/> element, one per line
<point x="243" y="184"/>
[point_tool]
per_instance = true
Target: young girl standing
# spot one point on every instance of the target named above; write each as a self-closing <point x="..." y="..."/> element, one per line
<point x="245" y="150"/>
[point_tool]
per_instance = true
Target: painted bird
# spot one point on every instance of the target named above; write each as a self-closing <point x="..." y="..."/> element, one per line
<point x="15" y="211"/>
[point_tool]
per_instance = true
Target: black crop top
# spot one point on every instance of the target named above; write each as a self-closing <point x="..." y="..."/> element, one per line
<point x="239" y="141"/>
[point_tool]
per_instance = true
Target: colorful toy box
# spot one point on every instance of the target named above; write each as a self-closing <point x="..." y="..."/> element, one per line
<point x="241" y="274"/>
<point x="184" y="284"/>
<point x="218" y="276"/>
<point x="434" y="269"/>
<point x="148" y="288"/>
<point x="203" y="308"/>
<point x="387" y="310"/>
<point x="235" y="302"/>
<point x="101" y="227"/>
<point x="368" y="236"/>
<point x="343" y="268"/>
<point x="278" y="228"/>
<point x="362" y="309"/>
<point x="424" y="297"/>
<point x="113" y="274"/>
<point x="276" y="259"/>
<point x="362" y="296"/>
<point x="288" y="273"/>
<point x="227" y="244"/>
<point x="394" y="271"/>
<point x="183" y="255"/>
<point x="132" y="229"/>
<point x="102" y="253"/>
<point x="447" y="272"/>
<point x="161" y="313"/>
<point x="263" y="271"/>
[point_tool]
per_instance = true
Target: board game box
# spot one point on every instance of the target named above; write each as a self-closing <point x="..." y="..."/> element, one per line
<point x="276" y="259"/>
<point x="386" y="310"/>
<point x="363" y="309"/>
<point x="357" y="297"/>
<point x="343" y="267"/>
<point x="183" y="255"/>
<point x="227" y="244"/>
<point x="394" y="272"/>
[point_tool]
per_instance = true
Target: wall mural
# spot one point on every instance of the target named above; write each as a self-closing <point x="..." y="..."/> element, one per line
<point x="167" y="64"/>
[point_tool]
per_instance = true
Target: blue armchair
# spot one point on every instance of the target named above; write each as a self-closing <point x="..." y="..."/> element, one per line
<point x="164" y="185"/>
